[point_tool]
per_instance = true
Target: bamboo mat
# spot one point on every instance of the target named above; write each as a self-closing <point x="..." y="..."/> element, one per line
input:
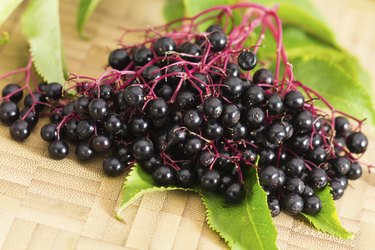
<point x="47" y="204"/>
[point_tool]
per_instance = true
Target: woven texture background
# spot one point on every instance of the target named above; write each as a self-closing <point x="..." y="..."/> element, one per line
<point x="46" y="204"/>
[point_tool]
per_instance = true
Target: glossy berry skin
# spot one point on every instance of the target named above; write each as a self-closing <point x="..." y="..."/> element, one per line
<point x="112" y="123"/>
<point x="294" y="185"/>
<point x="142" y="56"/>
<point x="12" y="88"/>
<point x="247" y="60"/>
<point x="19" y="130"/>
<point x="237" y="132"/>
<point x="342" y="126"/>
<point x="49" y="132"/>
<point x="55" y="117"/>
<point x="254" y="117"/>
<point x="176" y="135"/>
<point x="184" y="178"/>
<point x="339" y="145"/>
<point x="232" y="87"/>
<point x="28" y="101"/>
<point x="300" y="143"/>
<point x="212" y="130"/>
<point x="317" y="140"/>
<point x="274" y="206"/>
<point x="235" y="193"/>
<point x="357" y="142"/>
<point x="266" y="156"/>
<point x="54" y="91"/>
<point x="70" y="130"/>
<point x="253" y="96"/>
<point x="163" y="45"/>
<point x="214" y="27"/>
<point x="84" y="152"/>
<point x="119" y="59"/>
<point x="337" y="190"/>
<point x="157" y="108"/>
<point x="303" y="122"/>
<point x="150" y="164"/>
<point x="193" y="51"/>
<point x="68" y="109"/>
<point x="288" y="129"/>
<point x="58" y="149"/>
<point x="341" y="165"/>
<point x="206" y="158"/>
<point x="98" y="109"/>
<point x="312" y="205"/>
<point x="9" y="112"/>
<point x="342" y="179"/>
<point x="275" y="104"/>
<point x="210" y="180"/>
<point x="30" y="117"/>
<point x="142" y="149"/>
<point x="269" y="176"/>
<point x="318" y="155"/>
<point x="193" y="146"/>
<point x="218" y="40"/>
<point x="151" y="73"/>
<point x="293" y="204"/>
<point x="81" y="105"/>
<point x="85" y="129"/>
<point x="164" y="91"/>
<point x="192" y="119"/>
<point x="163" y="175"/>
<point x="213" y="107"/>
<point x="318" y="178"/>
<point x="101" y="143"/>
<point x="104" y="92"/>
<point x="112" y="166"/>
<point x="263" y="76"/>
<point x="294" y="167"/>
<point x="355" y="171"/>
<point x="185" y="100"/>
<point x="276" y="133"/>
<point x="231" y="115"/>
<point x="133" y="96"/>
<point x="308" y="191"/>
<point x="294" y="100"/>
<point x="233" y="70"/>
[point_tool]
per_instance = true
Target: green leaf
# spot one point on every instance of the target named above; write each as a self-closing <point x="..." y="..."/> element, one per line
<point x="7" y="7"/>
<point x="193" y="7"/>
<point x="138" y="183"/>
<point x="4" y="38"/>
<point x="245" y="226"/>
<point x="85" y="9"/>
<point x="303" y="15"/>
<point x="41" y="25"/>
<point x="327" y="219"/>
<point x="329" y="73"/>
<point x="173" y="9"/>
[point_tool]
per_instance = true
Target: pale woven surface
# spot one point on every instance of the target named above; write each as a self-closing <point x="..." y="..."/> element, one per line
<point x="46" y="204"/>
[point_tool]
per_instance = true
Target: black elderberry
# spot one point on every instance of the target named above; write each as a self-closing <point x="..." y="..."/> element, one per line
<point x="98" y="109"/>
<point x="119" y="59"/>
<point x="342" y="126"/>
<point x="163" y="175"/>
<point x="294" y="167"/>
<point x="210" y="180"/>
<point x="341" y="165"/>
<point x="293" y="204"/>
<point x="49" y="132"/>
<point x="84" y="152"/>
<point x="192" y="119"/>
<point x="19" y="130"/>
<point x="148" y="165"/>
<point x="303" y="121"/>
<point x="317" y="140"/>
<point x="164" y="91"/>
<point x="164" y="45"/>
<point x="275" y="104"/>
<point x="318" y="178"/>
<point x="274" y="206"/>
<point x="294" y="100"/>
<point x="151" y="73"/>
<point x="68" y="109"/>
<point x="112" y="123"/>
<point x="185" y="177"/>
<point x="58" y="149"/>
<point x="140" y="125"/>
<point x="176" y="75"/>
<point x="38" y="101"/>
<point x="212" y="130"/>
<point x="355" y="171"/>
<point x="294" y="185"/>
<point x="9" y="112"/>
<point x="104" y="92"/>
<point x="133" y="96"/>
<point x="70" y="130"/>
<point x="213" y="107"/>
<point x="300" y="143"/>
<point x="247" y="60"/>
<point x="14" y="90"/>
<point x="339" y="145"/>
<point x="81" y="105"/>
<point x="231" y="115"/>
<point x="342" y="179"/>
<point x="317" y="155"/>
<point x="237" y="132"/>
<point x="112" y="166"/>
<point x="206" y="158"/>
<point x="85" y="129"/>
<point x="214" y="27"/>
<point x="30" y="116"/>
<point x="254" y="117"/>
<point x="218" y="40"/>
<point x="185" y="100"/>
<point x="312" y="205"/>
<point x="308" y="191"/>
<point x="269" y="176"/>
<point x="357" y="142"/>
<point x="101" y="143"/>
<point x="192" y="51"/>
<point x="276" y="133"/>
<point x="263" y="76"/>
<point x="232" y="87"/>
<point x="235" y="193"/>
<point x="193" y="146"/>
<point x="253" y="96"/>
<point x="233" y="70"/>
<point x="142" y="149"/>
<point x="266" y="156"/>
<point x="142" y="56"/>
<point x="54" y="90"/>
<point x="337" y="190"/>
<point x="176" y="135"/>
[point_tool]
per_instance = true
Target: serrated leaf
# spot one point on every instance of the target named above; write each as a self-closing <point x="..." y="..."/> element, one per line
<point x="303" y="15"/>
<point x="85" y="9"/>
<point x="7" y="7"/>
<point x="173" y="9"/>
<point x="327" y="219"/>
<point x="41" y="25"/>
<point x="138" y="183"/>
<point x="245" y="226"/>
<point x="326" y="73"/>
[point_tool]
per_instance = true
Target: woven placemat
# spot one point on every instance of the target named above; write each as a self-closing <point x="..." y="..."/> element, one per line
<point x="47" y="204"/>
